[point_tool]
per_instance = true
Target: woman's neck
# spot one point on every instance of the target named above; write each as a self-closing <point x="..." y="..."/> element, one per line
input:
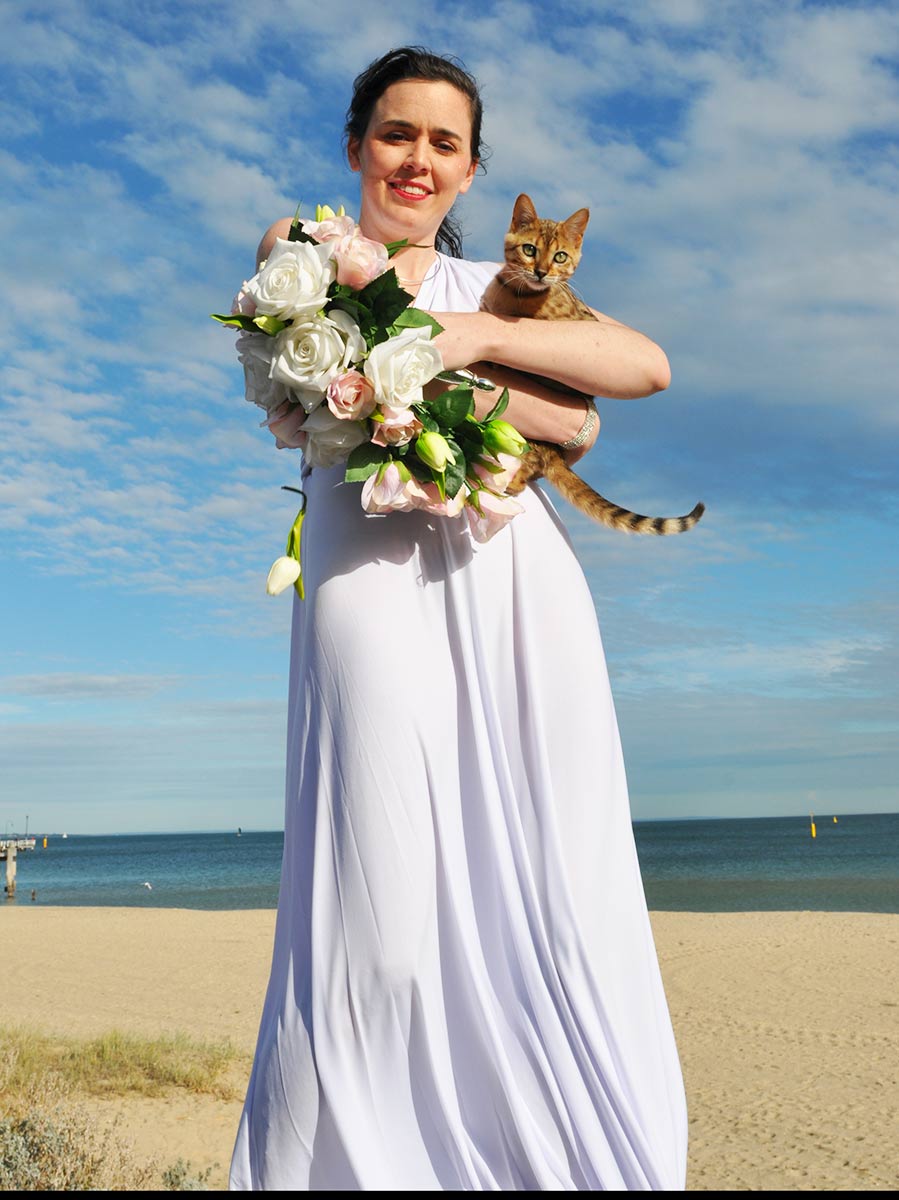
<point x="413" y="262"/>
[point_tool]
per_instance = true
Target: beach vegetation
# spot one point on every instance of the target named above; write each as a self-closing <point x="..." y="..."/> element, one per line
<point x="50" y="1143"/>
<point x="49" y="1138"/>
<point x="118" y="1064"/>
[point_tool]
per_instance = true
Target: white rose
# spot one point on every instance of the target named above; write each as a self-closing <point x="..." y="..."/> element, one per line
<point x="400" y="367"/>
<point x="313" y="351"/>
<point x="329" y="439"/>
<point x="255" y="353"/>
<point x="294" y="281"/>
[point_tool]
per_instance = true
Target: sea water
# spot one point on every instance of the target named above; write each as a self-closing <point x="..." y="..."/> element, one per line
<point x="726" y="865"/>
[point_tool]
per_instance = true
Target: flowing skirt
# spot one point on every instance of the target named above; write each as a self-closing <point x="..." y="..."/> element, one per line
<point x="464" y="992"/>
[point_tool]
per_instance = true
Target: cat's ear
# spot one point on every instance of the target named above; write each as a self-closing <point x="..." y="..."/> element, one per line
<point x="577" y="223"/>
<point x="523" y="214"/>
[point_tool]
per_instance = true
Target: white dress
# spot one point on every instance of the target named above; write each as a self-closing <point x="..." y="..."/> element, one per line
<point x="464" y="994"/>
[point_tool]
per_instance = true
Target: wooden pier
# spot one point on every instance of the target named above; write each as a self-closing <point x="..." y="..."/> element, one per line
<point x="9" y="849"/>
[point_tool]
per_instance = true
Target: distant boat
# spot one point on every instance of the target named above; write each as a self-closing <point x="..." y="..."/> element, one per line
<point x="239" y="831"/>
<point x="65" y="835"/>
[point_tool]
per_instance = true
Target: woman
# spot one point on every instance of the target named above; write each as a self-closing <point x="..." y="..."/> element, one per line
<point x="464" y="991"/>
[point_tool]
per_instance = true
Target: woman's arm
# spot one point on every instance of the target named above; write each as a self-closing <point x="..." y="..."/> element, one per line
<point x="601" y="357"/>
<point x="538" y="412"/>
<point x="280" y="229"/>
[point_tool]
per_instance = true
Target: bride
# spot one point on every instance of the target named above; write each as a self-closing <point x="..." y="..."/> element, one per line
<point x="464" y="992"/>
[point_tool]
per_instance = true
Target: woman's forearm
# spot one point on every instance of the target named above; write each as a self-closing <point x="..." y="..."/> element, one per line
<point x="600" y="358"/>
<point x="538" y="412"/>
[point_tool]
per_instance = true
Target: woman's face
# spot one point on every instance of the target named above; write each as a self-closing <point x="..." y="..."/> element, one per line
<point x="414" y="159"/>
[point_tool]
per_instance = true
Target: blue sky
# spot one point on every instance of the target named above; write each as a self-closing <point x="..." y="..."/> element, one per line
<point x="741" y="166"/>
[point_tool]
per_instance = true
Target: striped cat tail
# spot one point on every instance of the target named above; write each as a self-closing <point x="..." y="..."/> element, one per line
<point x="583" y="497"/>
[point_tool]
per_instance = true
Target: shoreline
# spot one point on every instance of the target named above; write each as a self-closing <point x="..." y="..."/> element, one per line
<point x="785" y="1024"/>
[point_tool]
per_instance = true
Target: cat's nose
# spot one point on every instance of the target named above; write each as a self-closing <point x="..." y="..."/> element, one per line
<point x="539" y="273"/>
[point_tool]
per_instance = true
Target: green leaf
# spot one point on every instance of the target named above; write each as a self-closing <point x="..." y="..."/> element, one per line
<point x="360" y="313"/>
<point x="452" y="407"/>
<point x="297" y="233"/>
<point x="270" y="325"/>
<point x="386" y="299"/>
<point x="364" y="461"/>
<point x="235" y="320"/>
<point x="417" y="318"/>
<point x="392" y="247"/>
<point x="454" y="475"/>
<point x="500" y="407"/>
<point x="427" y="421"/>
<point x="470" y="438"/>
<point x="422" y="473"/>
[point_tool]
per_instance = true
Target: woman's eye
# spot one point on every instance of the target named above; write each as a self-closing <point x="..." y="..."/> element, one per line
<point x="560" y="256"/>
<point x="528" y="250"/>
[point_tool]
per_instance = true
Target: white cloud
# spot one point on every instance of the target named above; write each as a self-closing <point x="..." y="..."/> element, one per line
<point x="69" y="686"/>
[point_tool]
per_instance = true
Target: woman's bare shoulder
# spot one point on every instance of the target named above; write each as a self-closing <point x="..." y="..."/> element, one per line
<point x="279" y="229"/>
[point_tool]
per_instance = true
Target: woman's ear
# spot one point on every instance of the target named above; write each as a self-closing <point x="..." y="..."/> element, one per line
<point x="352" y="153"/>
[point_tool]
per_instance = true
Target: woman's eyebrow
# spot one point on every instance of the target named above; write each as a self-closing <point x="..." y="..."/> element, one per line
<point x="409" y="125"/>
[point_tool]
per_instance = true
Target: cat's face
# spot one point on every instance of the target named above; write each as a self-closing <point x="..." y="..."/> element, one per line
<point x="541" y="254"/>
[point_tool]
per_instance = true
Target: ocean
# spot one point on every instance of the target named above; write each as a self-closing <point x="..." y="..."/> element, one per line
<point x="727" y="865"/>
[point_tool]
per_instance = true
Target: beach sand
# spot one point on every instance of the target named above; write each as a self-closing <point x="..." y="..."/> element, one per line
<point x="786" y="1025"/>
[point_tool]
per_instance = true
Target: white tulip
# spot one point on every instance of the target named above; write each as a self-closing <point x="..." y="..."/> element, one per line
<point x="284" y="572"/>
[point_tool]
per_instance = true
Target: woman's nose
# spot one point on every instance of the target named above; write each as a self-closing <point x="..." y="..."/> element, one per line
<point x="417" y="156"/>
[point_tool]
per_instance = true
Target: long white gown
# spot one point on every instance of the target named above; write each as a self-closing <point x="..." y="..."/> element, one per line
<point x="464" y="994"/>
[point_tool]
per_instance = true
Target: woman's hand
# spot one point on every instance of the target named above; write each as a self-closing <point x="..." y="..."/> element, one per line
<point x="462" y="341"/>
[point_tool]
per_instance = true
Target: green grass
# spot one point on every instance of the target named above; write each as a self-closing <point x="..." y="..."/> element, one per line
<point x="118" y="1064"/>
<point x="48" y="1139"/>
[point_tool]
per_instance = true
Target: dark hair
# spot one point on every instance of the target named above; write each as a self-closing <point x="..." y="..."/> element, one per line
<point x="415" y="62"/>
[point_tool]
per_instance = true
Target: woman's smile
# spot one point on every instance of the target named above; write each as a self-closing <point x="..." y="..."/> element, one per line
<point x="409" y="191"/>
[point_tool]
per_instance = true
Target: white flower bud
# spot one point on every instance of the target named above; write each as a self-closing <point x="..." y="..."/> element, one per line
<point x="284" y="572"/>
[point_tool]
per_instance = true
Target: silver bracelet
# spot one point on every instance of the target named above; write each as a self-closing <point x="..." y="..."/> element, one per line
<point x="590" y="422"/>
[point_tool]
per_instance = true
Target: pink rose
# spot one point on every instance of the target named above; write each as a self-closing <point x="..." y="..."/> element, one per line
<point x="506" y="467"/>
<point x="286" y="424"/>
<point x="400" y="425"/>
<point x="331" y="229"/>
<point x="350" y="396"/>
<point x="450" y="507"/>
<point x="243" y="303"/>
<point x="487" y="514"/>
<point x="388" y="491"/>
<point x="359" y="261"/>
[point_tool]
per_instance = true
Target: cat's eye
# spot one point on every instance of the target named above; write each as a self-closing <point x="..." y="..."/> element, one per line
<point x="560" y="256"/>
<point x="528" y="250"/>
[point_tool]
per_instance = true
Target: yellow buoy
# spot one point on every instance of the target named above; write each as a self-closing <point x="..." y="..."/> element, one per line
<point x="45" y="843"/>
<point x="814" y="831"/>
<point x="834" y="820"/>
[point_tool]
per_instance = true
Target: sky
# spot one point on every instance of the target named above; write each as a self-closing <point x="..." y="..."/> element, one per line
<point x="741" y="168"/>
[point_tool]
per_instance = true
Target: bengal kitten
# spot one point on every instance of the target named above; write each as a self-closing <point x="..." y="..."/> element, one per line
<point x="540" y="257"/>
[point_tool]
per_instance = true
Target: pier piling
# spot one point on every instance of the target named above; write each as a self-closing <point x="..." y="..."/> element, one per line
<point x="10" y="871"/>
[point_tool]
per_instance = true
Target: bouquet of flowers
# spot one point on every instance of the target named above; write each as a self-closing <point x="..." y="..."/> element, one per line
<point x="338" y="358"/>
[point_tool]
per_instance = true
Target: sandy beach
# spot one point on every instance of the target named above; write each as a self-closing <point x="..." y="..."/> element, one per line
<point x="786" y="1025"/>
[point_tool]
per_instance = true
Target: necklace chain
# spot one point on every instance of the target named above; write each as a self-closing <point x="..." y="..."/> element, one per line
<point x="432" y="270"/>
